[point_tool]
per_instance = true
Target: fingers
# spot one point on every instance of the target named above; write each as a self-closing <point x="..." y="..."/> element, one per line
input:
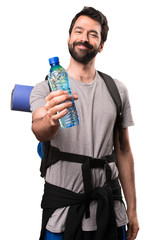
<point x="59" y="93"/>
<point x="55" y="94"/>
<point x="54" y="118"/>
<point x="57" y="100"/>
<point x="59" y="110"/>
<point x="129" y="233"/>
<point x="58" y="97"/>
<point x="57" y="103"/>
<point x="134" y="232"/>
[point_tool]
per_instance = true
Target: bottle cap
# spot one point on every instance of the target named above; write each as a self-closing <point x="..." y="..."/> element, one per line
<point x="54" y="60"/>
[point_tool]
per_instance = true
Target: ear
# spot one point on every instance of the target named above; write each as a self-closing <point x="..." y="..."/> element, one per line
<point x="68" y="38"/>
<point x="101" y="47"/>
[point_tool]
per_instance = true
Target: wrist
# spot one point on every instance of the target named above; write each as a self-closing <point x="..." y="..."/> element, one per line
<point x="131" y="211"/>
<point x="131" y="208"/>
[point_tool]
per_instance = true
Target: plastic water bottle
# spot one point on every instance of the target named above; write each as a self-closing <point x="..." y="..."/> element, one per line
<point x="58" y="80"/>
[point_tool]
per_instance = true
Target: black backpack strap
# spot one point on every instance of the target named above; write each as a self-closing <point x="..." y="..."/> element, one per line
<point x="46" y="79"/>
<point x="113" y="90"/>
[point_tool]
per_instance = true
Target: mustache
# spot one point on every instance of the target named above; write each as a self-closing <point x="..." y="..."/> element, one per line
<point x="85" y="44"/>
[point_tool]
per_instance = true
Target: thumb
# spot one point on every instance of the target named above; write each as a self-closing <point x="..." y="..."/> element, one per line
<point x="75" y="95"/>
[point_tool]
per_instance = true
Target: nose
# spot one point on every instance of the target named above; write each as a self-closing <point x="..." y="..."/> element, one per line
<point x="84" y="37"/>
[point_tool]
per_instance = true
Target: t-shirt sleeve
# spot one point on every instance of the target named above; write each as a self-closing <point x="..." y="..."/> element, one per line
<point x="127" y="113"/>
<point x="126" y="106"/>
<point x="38" y="95"/>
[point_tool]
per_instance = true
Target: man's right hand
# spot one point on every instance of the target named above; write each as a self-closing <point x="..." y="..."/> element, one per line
<point x="45" y="122"/>
<point x="56" y="106"/>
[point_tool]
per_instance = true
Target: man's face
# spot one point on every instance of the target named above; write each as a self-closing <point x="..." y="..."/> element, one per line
<point x="85" y="40"/>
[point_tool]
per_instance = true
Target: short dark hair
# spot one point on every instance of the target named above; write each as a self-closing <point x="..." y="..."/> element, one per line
<point x="97" y="16"/>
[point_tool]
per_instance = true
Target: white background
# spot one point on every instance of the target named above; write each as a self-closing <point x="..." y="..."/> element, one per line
<point x="33" y="31"/>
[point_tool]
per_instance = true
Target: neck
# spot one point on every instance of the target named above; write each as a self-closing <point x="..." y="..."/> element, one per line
<point x="82" y="72"/>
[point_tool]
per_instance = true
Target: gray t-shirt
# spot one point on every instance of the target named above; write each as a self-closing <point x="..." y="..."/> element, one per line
<point x="93" y="137"/>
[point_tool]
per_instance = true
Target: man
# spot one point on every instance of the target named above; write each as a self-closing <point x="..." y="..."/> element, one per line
<point x="94" y="137"/>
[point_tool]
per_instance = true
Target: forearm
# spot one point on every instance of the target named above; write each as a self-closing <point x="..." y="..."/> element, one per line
<point x="125" y="165"/>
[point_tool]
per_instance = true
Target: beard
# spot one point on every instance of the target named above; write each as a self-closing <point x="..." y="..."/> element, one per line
<point x="83" y="55"/>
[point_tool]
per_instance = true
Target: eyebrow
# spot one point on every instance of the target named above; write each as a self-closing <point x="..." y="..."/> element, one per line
<point x="78" y="28"/>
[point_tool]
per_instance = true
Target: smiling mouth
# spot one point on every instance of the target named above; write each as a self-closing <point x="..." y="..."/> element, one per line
<point x="82" y="45"/>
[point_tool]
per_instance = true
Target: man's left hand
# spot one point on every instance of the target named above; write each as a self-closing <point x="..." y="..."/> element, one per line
<point x="133" y="225"/>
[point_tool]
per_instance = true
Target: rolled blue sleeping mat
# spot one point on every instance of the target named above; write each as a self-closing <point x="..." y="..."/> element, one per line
<point x="20" y="98"/>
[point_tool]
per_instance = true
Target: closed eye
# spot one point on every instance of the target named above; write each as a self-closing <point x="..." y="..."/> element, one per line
<point x="78" y="31"/>
<point x="94" y="34"/>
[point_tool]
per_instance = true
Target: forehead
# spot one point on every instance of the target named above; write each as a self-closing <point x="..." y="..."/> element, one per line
<point x="87" y="23"/>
